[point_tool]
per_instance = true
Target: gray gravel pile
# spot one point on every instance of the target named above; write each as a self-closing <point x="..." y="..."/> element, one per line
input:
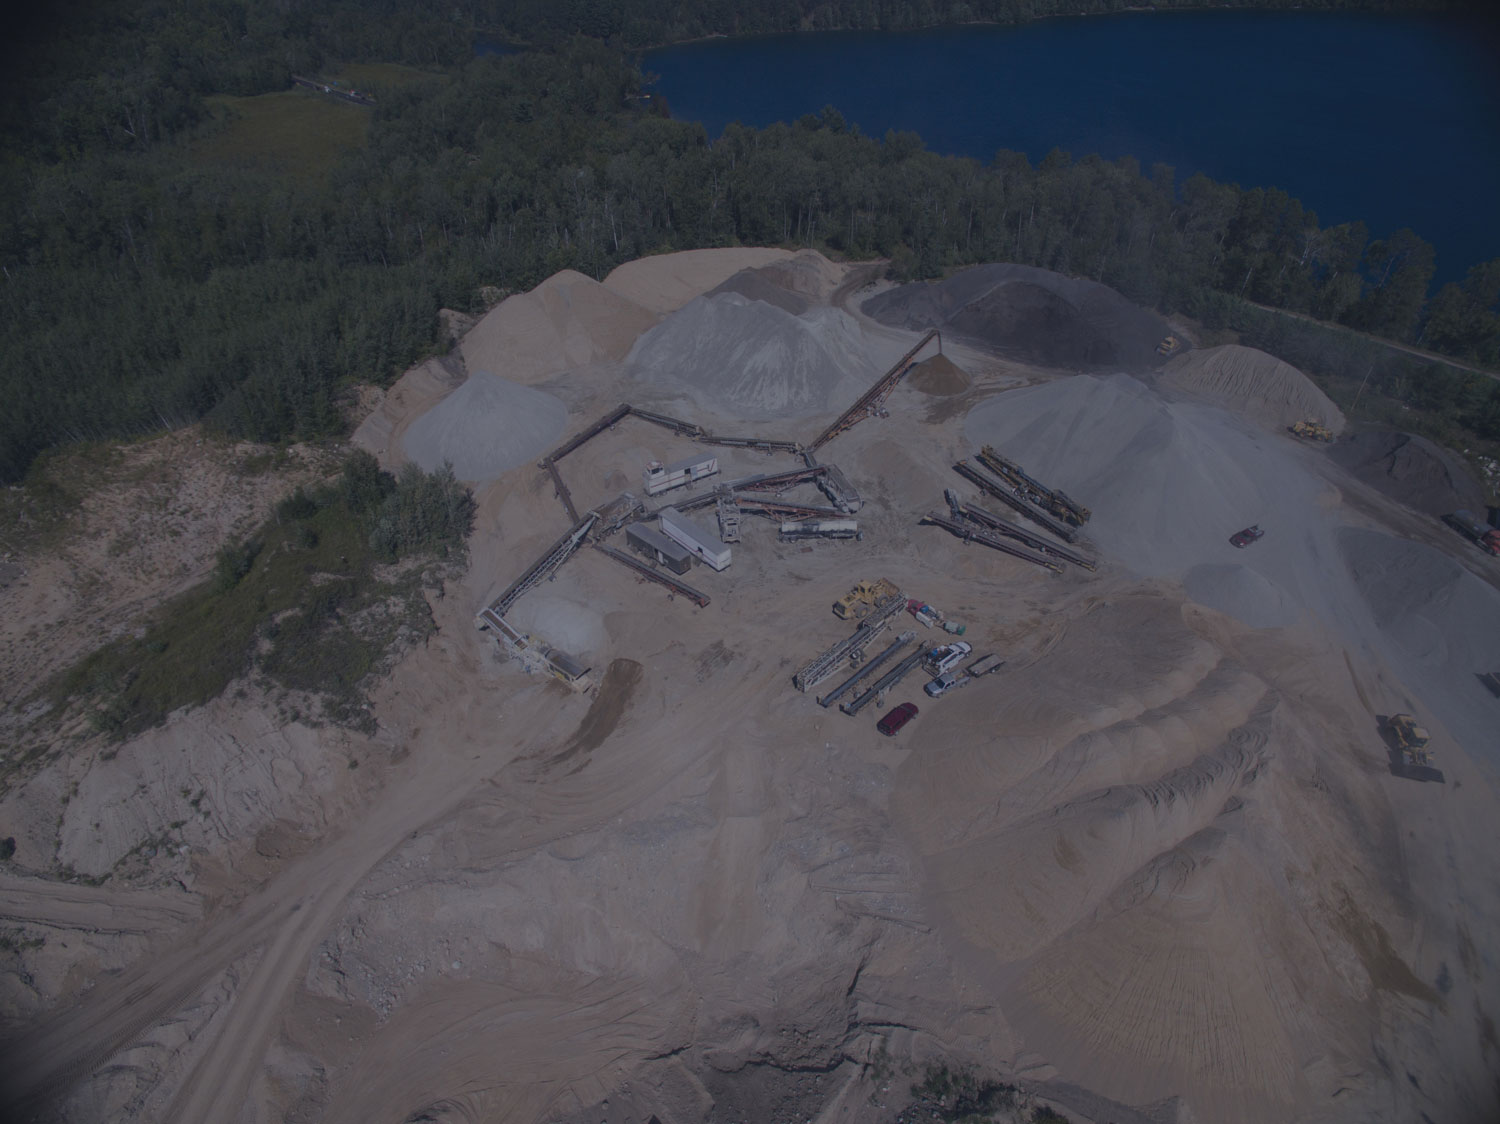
<point x="1029" y="314"/>
<point x="1169" y="482"/>
<point x="751" y="359"/>
<point x="486" y="427"/>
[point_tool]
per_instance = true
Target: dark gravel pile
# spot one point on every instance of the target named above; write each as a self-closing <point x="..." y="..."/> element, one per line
<point x="1032" y="315"/>
<point x="1411" y="470"/>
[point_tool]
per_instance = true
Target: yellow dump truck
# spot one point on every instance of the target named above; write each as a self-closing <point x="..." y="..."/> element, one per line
<point x="866" y="594"/>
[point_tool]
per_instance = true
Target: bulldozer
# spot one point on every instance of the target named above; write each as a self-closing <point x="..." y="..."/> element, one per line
<point x="866" y="594"/>
<point x="1412" y="743"/>
<point x="1169" y="346"/>
<point x="1311" y="430"/>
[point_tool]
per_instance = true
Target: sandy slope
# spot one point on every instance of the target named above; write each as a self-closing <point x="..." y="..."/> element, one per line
<point x="1153" y="870"/>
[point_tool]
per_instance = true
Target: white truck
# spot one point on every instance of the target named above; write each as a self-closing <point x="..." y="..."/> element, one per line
<point x="947" y="657"/>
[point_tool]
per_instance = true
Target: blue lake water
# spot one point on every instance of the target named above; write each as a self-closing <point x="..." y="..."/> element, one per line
<point x="1391" y="120"/>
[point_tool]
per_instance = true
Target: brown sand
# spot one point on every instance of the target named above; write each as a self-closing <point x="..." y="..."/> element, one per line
<point x="1255" y="384"/>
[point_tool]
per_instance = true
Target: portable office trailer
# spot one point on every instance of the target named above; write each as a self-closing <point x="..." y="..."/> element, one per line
<point x="661" y="478"/>
<point x="657" y="547"/>
<point x="704" y="545"/>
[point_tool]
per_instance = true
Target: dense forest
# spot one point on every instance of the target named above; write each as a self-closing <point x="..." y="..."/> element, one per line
<point x="152" y="274"/>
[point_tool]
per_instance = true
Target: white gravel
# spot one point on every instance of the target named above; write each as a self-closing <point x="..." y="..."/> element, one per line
<point x="748" y="358"/>
<point x="485" y="427"/>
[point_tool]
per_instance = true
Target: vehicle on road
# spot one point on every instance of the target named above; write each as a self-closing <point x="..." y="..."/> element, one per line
<point x="946" y="682"/>
<point x="898" y="717"/>
<point x="1486" y="538"/>
<point x="1244" y="538"/>
<point x="948" y="656"/>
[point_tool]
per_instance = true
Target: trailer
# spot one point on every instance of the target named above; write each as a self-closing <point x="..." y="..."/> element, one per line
<point x="985" y="665"/>
<point x="820" y="529"/>
<point x="1486" y="538"/>
<point x="659" y="478"/>
<point x="652" y="544"/>
<point x="704" y="545"/>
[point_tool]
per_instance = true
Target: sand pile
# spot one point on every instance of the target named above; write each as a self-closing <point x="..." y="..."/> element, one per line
<point x="485" y="427"/>
<point x="940" y="377"/>
<point x="1411" y="470"/>
<point x="666" y="282"/>
<point x="755" y="360"/>
<point x="1255" y="384"/>
<point x="1029" y="314"/>
<point x="567" y="321"/>
<point x="808" y="273"/>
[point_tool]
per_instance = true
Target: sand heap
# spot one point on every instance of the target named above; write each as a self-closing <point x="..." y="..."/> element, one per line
<point x="1032" y="315"/>
<point x="755" y="360"/>
<point x="666" y="282"/>
<point x="1255" y="384"/>
<point x="1411" y="470"/>
<point x="567" y="321"/>
<point x="485" y="427"/>
<point x="940" y="377"/>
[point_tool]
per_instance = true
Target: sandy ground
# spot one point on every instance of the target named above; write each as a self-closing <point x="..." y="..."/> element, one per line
<point x="1155" y="869"/>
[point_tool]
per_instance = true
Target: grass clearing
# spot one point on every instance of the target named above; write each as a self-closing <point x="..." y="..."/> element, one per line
<point x="297" y="133"/>
<point x="315" y="602"/>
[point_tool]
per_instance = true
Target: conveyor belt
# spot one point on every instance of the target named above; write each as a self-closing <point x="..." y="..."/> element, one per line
<point x="990" y="539"/>
<point x="871" y="400"/>
<point x="1001" y="493"/>
<point x="660" y="576"/>
<point x="592" y="431"/>
<point x="885" y="682"/>
<point x="1003" y="527"/>
<point x="843" y="688"/>
<point x="1049" y="499"/>
<point x="562" y="489"/>
<point x="545" y="566"/>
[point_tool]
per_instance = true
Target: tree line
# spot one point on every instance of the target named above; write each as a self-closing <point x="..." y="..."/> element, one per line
<point x="141" y="288"/>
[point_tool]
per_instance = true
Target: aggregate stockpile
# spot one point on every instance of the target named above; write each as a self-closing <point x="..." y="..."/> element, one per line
<point x="1032" y="315"/>
<point x="1411" y="470"/>
<point x="1253" y="384"/>
<point x="751" y="359"/>
<point x="485" y="427"/>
